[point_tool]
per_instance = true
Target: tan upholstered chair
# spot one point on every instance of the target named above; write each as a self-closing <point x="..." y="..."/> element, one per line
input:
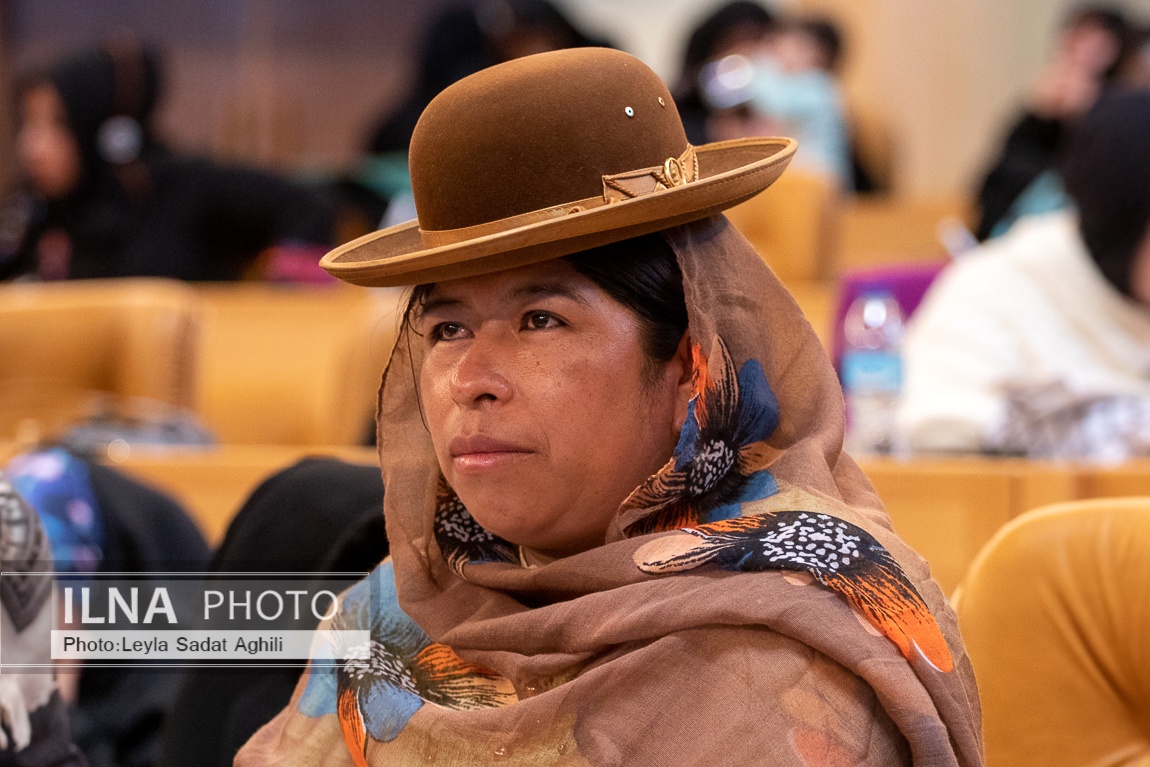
<point x="63" y="345"/>
<point x="1056" y="615"/>
<point x="792" y="226"/>
<point x="282" y="365"/>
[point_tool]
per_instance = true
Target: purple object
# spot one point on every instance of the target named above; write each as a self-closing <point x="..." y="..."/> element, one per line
<point x="908" y="284"/>
<point x="297" y="263"/>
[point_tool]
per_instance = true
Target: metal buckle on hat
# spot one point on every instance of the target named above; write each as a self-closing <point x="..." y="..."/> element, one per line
<point x="674" y="172"/>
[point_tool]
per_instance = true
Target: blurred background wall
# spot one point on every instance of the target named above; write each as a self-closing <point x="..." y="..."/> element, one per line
<point x="296" y="83"/>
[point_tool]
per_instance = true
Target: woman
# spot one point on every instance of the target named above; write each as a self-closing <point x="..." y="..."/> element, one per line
<point x="1039" y="342"/>
<point x="733" y="28"/>
<point x="105" y="198"/>
<point x="621" y="525"/>
<point x="1087" y="59"/>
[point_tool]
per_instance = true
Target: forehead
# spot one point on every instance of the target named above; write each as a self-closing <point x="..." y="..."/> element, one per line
<point x="554" y="276"/>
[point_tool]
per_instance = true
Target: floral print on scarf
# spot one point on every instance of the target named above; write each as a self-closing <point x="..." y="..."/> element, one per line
<point x="718" y="465"/>
<point x="375" y="687"/>
<point x="463" y="540"/>
<point x="841" y="556"/>
<point x="719" y="462"/>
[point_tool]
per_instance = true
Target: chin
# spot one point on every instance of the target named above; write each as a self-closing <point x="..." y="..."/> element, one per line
<point x="519" y="523"/>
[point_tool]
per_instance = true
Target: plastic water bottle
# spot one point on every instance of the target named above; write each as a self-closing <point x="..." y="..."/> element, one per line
<point x="872" y="371"/>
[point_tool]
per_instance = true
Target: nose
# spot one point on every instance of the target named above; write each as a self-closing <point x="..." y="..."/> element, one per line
<point x="478" y="377"/>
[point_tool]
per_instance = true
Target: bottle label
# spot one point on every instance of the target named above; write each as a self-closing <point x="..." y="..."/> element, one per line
<point x="872" y="371"/>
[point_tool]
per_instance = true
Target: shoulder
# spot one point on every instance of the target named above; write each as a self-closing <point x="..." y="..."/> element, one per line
<point x="997" y="280"/>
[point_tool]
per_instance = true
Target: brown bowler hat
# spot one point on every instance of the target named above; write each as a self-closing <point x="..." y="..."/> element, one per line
<point x="546" y="156"/>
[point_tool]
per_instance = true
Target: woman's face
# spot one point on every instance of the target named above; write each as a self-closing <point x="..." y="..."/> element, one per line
<point x="544" y="409"/>
<point x="49" y="154"/>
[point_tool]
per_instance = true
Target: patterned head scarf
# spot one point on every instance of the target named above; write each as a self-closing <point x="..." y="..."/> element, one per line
<point x="749" y="605"/>
<point x="57" y="485"/>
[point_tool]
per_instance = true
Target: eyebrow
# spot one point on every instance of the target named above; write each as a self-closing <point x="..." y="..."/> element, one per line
<point x="546" y="289"/>
<point x="531" y="290"/>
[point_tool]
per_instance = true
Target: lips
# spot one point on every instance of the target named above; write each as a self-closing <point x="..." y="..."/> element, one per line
<point x="480" y="452"/>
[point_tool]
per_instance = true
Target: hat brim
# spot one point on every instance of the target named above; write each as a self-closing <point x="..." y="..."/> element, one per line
<point x="729" y="173"/>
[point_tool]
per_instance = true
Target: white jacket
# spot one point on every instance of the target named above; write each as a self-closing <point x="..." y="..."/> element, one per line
<point x="1029" y="309"/>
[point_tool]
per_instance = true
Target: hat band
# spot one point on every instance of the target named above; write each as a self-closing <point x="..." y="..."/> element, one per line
<point x="675" y="171"/>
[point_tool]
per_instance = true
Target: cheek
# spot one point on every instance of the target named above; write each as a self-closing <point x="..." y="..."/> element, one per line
<point x="435" y="401"/>
<point x="614" y="421"/>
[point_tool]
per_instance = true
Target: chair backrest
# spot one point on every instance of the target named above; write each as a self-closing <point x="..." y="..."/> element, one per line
<point x="61" y="344"/>
<point x="792" y="225"/>
<point x="283" y="365"/>
<point x="1055" y="611"/>
<point x="876" y="230"/>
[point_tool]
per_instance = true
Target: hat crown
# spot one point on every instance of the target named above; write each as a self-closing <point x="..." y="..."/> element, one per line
<point x="538" y="132"/>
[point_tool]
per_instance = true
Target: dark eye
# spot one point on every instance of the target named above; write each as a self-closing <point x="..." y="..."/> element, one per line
<point x="448" y="331"/>
<point x="540" y="321"/>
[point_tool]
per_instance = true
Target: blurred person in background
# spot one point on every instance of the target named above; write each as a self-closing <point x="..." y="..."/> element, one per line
<point x="103" y="197"/>
<point x="33" y="722"/>
<point x="1086" y="59"/>
<point x="458" y="42"/>
<point x="733" y="28"/>
<point x="785" y="83"/>
<point x="1039" y="342"/>
<point x="1135" y="71"/>
<point x="319" y="516"/>
<point x="100" y="521"/>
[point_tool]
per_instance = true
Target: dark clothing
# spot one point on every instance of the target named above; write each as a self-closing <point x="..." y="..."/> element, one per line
<point x="139" y="210"/>
<point x="117" y="719"/>
<point x="1106" y="171"/>
<point x="1031" y="149"/>
<point x="184" y="218"/>
<point x="50" y="746"/>
<point x="321" y="515"/>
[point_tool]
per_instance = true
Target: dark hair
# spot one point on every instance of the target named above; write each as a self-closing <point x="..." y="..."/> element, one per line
<point x="120" y="78"/>
<point x="704" y="42"/>
<point x="826" y="35"/>
<point x="642" y="274"/>
<point x="1106" y="171"/>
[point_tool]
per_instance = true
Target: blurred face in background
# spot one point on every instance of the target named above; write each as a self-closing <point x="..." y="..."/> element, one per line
<point x="1091" y="47"/>
<point x="47" y="149"/>
<point x="798" y="51"/>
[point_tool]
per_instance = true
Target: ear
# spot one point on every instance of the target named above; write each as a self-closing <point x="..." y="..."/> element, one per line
<point x="685" y="370"/>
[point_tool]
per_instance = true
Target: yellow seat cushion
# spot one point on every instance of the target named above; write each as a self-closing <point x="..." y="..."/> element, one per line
<point x="1056" y="616"/>
<point x="289" y="365"/>
<point x="65" y="345"/>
